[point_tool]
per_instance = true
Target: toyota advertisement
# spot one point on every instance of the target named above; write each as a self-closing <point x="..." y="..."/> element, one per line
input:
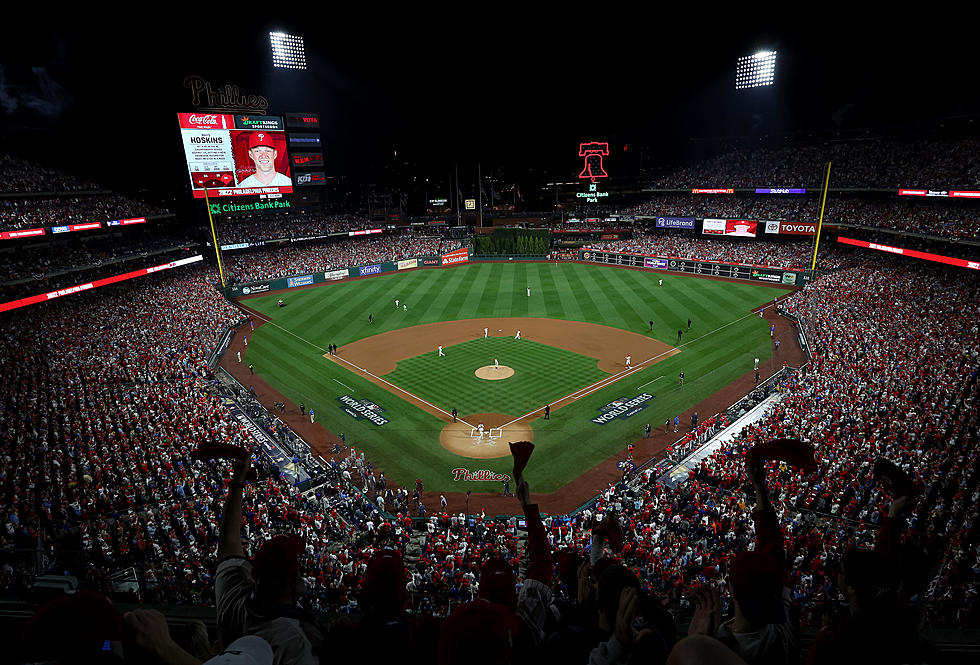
<point x="235" y="155"/>
<point x="736" y="228"/>
<point x="791" y="228"/>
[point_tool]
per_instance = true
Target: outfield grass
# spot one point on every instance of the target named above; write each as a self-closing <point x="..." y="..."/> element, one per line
<point x="542" y="374"/>
<point x="724" y="338"/>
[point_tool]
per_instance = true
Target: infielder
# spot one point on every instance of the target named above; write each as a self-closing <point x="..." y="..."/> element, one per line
<point x="518" y="335"/>
<point x="396" y="303"/>
<point x="496" y="365"/>
<point x="486" y="333"/>
<point x="628" y="358"/>
<point x="529" y="292"/>
<point x="441" y="354"/>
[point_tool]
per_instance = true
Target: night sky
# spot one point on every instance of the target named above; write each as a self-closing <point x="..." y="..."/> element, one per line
<point x="511" y="91"/>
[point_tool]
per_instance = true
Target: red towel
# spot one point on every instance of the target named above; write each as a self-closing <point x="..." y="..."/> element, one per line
<point x="613" y="532"/>
<point x="792" y="451"/>
<point x="521" y="452"/>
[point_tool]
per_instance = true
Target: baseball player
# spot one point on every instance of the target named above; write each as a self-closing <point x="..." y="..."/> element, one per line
<point x="311" y="415"/>
<point x="404" y="308"/>
<point x="396" y="303"/>
<point x="496" y="365"/>
<point x="628" y="359"/>
<point x="262" y="151"/>
<point x="441" y="354"/>
<point x="682" y="378"/>
<point x="756" y="366"/>
<point x="661" y="283"/>
<point x="528" y="291"/>
<point x="245" y="339"/>
<point x="239" y="353"/>
<point x="518" y="335"/>
<point x="486" y="333"/>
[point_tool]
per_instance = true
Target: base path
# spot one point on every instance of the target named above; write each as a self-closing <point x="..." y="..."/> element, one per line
<point x="592" y="481"/>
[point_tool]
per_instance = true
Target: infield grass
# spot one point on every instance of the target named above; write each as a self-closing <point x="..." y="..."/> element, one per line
<point x="724" y="339"/>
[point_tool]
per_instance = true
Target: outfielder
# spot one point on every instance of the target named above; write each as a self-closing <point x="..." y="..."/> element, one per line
<point x="529" y="292"/>
<point x="441" y="354"/>
<point x="518" y="335"/>
<point x="486" y="333"/>
<point x="396" y="303"/>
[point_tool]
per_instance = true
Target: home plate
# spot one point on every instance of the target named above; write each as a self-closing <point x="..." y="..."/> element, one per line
<point x="500" y="329"/>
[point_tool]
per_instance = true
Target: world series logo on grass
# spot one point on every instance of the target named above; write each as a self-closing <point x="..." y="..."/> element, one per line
<point x="622" y="408"/>
<point x="363" y="409"/>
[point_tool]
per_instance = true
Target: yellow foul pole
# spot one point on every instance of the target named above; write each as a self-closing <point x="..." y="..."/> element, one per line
<point x="823" y="204"/>
<point x="214" y="237"/>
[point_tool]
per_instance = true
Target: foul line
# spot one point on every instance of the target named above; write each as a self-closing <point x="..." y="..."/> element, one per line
<point x="649" y="382"/>
<point x="344" y="385"/>
<point x="609" y="380"/>
<point x="578" y="394"/>
<point x="361" y="369"/>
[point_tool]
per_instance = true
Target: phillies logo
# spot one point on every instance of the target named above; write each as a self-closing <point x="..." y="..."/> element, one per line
<point x="261" y="137"/>
<point x="483" y="475"/>
<point x="203" y="119"/>
<point x="593" y="153"/>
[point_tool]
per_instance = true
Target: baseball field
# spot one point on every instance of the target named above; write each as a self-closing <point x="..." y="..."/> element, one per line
<point x="390" y="393"/>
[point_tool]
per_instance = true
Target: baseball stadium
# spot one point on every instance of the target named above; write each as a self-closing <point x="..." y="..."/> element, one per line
<point x="335" y="378"/>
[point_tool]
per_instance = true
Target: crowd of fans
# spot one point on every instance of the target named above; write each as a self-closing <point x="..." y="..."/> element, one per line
<point x="18" y="175"/>
<point x="878" y="163"/>
<point x="30" y="213"/>
<point x="80" y="254"/>
<point x="272" y="263"/>
<point x="98" y="425"/>
<point x="945" y="218"/>
<point x="272" y="227"/>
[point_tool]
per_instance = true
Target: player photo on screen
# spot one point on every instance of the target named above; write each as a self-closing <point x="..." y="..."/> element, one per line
<point x="263" y="164"/>
<point x="235" y="155"/>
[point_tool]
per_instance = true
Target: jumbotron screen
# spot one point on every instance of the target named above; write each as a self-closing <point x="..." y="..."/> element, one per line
<point x="235" y="155"/>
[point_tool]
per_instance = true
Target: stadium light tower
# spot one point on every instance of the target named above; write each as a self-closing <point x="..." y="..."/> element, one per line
<point x="288" y="51"/>
<point x="753" y="71"/>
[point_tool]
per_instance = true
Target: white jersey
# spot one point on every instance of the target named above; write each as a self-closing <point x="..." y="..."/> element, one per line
<point x="278" y="181"/>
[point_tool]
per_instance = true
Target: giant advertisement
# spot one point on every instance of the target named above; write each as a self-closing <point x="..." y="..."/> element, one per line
<point x="456" y="256"/>
<point x="928" y="256"/>
<point x="675" y="222"/>
<point x="736" y="228"/>
<point x="235" y="155"/>
<point x="791" y="228"/>
<point x="302" y="280"/>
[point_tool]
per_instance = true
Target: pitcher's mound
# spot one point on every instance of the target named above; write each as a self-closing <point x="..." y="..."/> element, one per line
<point x="492" y="373"/>
<point x="465" y="439"/>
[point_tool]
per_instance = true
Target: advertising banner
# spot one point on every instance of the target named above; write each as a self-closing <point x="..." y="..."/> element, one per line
<point x="675" y="222"/>
<point x="310" y="179"/>
<point x="365" y="232"/>
<point x="302" y="121"/>
<point x="791" y="228"/>
<point x="306" y="160"/>
<point x="431" y="262"/>
<point x="302" y="280"/>
<point x="770" y="190"/>
<point x="964" y="195"/>
<point x="408" y="264"/>
<point x="254" y="288"/>
<point x="235" y="155"/>
<point x="23" y="233"/>
<point x="771" y="275"/>
<point x="457" y="256"/>
<point x="713" y="226"/>
<point x="126" y="222"/>
<point x="362" y="409"/>
<point x="622" y="408"/>
<point x="369" y="270"/>
<point x="335" y="274"/>
<point x="234" y="208"/>
<point x="713" y="191"/>
<point x="655" y="263"/>
<point x="928" y="256"/>
<point x="304" y="140"/>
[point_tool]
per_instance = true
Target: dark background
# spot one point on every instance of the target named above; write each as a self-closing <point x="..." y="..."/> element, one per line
<point x="515" y="92"/>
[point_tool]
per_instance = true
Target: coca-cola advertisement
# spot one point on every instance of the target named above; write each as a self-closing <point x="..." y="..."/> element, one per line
<point x="235" y="155"/>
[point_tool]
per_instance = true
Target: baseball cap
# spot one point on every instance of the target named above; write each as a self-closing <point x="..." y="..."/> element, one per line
<point x="278" y="557"/>
<point x="260" y="138"/>
<point x="248" y="650"/>
<point x="77" y="624"/>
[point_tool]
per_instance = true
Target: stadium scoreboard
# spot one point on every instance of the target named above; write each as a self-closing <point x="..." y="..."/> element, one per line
<point x="235" y="155"/>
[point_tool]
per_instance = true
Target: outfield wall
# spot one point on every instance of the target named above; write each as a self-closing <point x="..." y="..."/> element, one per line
<point x="755" y="273"/>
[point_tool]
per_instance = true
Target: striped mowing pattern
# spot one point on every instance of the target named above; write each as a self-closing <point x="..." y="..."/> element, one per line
<point x="719" y="348"/>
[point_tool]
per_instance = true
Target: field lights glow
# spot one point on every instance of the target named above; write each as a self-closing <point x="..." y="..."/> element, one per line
<point x="753" y="71"/>
<point x="288" y="51"/>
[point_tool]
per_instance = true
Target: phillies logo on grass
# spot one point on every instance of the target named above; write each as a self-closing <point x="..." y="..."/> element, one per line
<point x="483" y="475"/>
